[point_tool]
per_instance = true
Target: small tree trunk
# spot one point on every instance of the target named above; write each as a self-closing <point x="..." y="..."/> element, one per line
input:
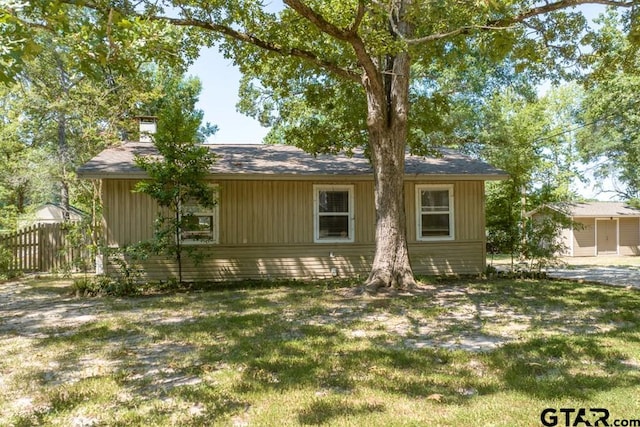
<point x="63" y="157"/>
<point x="65" y="204"/>
<point x="21" y="198"/>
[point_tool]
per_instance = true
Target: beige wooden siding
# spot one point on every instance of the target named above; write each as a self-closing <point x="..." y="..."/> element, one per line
<point x="469" y="210"/>
<point x="466" y="253"/>
<point x="128" y="216"/>
<point x="584" y="237"/>
<point x="365" y="212"/>
<point x="266" y="230"/>
<point x="310" y="261"/>
<point x="259" y="212"/>
<point x="629" y="236"/>
<point x="448" y="258"/>
<point x="565" y="240"/>
<point x="272" y="212"/>
<point x="251" y="212"/>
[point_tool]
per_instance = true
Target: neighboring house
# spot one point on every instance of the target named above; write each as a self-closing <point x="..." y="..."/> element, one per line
<point x="49" y="213"/>
<point x="602" y="228"/>
<point x="284" y="213"/>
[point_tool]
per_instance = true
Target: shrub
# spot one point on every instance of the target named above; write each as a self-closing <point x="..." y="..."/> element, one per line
<point x="5" y="259"/>
<point x="5" y="263"/>
<point x="86" y="287"/>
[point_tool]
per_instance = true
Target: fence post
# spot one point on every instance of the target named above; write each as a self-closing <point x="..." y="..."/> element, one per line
<point x="41" y="257"/>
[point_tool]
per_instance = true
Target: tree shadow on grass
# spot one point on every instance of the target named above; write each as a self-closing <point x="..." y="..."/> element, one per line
<point x="280" y="346"/>
<point x="325" y="359"/>
<point x="574" y="367"/>
<point x="322" y="411"/>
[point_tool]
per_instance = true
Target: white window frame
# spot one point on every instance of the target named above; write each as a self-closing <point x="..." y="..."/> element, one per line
<point x="317" y="214"/>
<point x="213" y="212"/>
<point x="435" y="187"/>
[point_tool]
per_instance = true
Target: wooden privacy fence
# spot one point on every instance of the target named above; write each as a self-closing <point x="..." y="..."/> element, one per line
<point x="42" y="248"/>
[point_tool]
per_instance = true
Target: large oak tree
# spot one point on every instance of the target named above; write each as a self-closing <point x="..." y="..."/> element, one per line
<point x="384" y="74"/>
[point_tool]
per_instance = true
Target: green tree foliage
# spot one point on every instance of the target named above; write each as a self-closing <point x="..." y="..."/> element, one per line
<point x="97" y="39"/>
<point x="610" y="138"/>
<point x="331" y="75"/>
<point x="23" y="168"/>
<point x="178" y="176"/>
<point x="530" y="139"/>
<point x="62" y="108"/>
<point x="513" y="123"/>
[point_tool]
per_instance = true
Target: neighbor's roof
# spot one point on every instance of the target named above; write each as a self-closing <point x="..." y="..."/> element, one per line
<point x="284" y="161"/>
<point x="55" y="209"/>
<point x="596" y="209"/>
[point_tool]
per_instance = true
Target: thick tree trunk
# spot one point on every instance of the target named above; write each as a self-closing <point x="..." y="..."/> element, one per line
<point x="385" y="80"/>
<point x="391" y="266"/>
<point x="388" y="106"/>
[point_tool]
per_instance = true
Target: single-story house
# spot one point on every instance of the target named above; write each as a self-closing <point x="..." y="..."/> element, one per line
<point x="601" y="228"/>
<point x="50" y="213"/>
<point x="282" y="212"/>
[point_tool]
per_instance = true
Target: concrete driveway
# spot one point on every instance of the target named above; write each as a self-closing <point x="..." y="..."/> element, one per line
<point x="618" y="271"/>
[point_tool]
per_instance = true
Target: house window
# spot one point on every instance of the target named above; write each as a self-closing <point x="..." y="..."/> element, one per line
<point x="333" y="216"/>
<point x="434" y="212"/>
<point x="199" y="224"/>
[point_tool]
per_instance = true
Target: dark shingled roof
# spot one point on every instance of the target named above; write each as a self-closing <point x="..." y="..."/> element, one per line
<point x="287" y="161"/>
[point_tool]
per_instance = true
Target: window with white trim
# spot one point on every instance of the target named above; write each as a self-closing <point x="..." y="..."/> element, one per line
<point x="434" y="205"/>
<point x="333" y="213"/>
<point x="200" y="224"/>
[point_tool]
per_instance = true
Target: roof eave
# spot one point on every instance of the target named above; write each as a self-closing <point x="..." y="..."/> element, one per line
<point x="462" y="177"/>
<point x="110" y="175"/>
<point x="301" y="177"/>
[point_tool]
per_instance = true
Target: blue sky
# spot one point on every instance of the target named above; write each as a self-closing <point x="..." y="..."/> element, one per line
<point x="220" y="81"/>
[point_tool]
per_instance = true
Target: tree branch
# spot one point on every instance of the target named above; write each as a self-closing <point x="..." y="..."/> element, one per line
<point x="462" y="30"/>
<point x="509" y="22"/>
<point x="239" y="36"/>
<point x="562" y="4"/>
<point x="264" y="44"/>
<point x="29" y="24"/>
<point x="319" y="20"/>
<point x="359" y="16"/>
<point x="350" y="36"/>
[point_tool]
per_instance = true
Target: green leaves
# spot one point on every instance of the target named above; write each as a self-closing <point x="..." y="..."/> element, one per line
<point x="611" y="133"/>
<point x="530" y="139"/>
<point x="178" y="174"/>
<point x="611" y="123"/>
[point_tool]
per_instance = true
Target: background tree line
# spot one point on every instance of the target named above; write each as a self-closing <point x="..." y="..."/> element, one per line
<point x="60" y="108"/>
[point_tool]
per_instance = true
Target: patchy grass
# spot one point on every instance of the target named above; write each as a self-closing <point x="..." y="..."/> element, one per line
<point x="455" y="352"/>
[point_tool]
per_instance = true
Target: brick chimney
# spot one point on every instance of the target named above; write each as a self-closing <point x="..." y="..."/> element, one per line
<point x="148" y="126"/>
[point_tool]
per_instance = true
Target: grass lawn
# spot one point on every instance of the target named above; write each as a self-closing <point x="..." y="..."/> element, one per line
<point x="455" y="352"/>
